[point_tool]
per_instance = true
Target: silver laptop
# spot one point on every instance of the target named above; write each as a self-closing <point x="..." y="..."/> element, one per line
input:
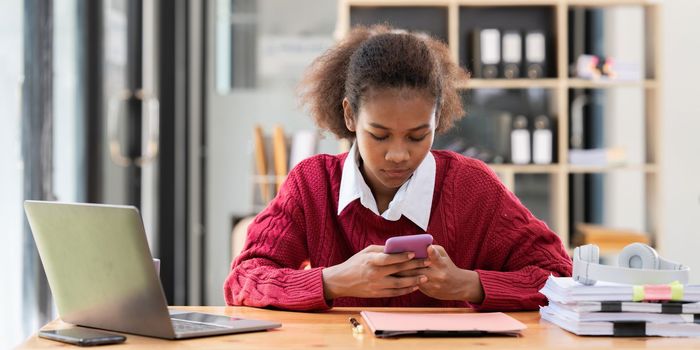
<point x="101" y="274"/>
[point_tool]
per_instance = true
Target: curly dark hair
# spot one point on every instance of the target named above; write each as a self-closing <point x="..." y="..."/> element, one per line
<point x="380" y="57"/>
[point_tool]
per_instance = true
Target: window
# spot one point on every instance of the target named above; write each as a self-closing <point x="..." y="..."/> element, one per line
<point x="11" y="216"/>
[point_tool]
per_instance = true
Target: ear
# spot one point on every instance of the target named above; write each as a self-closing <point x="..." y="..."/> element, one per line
<point x="348" y="115"/>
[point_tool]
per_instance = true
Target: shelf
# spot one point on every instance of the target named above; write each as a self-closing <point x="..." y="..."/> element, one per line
<point x="457" y="2"/>
<point x="399" y="3"/>
<point x="584" y="169"/>
<point x="610" y="3"/>
<point x="507" y="2"/>
<point x="573" y="169"/>
<point x="583" y="3"/>
<point x="552" y="83"/>
<point x="528" y="169"/>
<point x="525" y="169"/>
<point x="606" y="84"/>
<point x="509" y="84"/>
<point x="552" y="17"/>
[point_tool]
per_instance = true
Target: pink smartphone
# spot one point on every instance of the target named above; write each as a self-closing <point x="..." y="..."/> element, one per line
<point x="413" y="243"/>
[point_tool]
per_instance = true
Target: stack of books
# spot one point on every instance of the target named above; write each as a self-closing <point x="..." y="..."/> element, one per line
<point x="614" y="309"/>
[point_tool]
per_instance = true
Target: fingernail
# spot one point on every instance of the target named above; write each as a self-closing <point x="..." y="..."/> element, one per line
<point x="423" y="279"/>
<point x="411" y="255"/>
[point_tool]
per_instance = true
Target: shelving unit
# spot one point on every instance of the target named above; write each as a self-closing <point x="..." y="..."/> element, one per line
<point x="509" y="84"/>
<point x="558" y="84"/>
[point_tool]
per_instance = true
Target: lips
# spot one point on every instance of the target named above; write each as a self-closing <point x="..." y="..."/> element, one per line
<point x="396" y="173"/>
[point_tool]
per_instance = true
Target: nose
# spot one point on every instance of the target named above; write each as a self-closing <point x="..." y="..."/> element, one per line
<point x="397" y="153"/>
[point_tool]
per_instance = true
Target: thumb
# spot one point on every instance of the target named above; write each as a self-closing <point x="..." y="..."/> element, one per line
<point x="433" y="253"/>
<point x="440" y="250"/>
<point x="373" y="249"/>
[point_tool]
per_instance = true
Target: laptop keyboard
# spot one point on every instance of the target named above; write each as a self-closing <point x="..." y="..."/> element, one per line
<point x="191" y="327"/>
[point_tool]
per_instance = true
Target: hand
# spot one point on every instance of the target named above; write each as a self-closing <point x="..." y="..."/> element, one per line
<point x="446" y="281"/>
<point x="372" y="274"/>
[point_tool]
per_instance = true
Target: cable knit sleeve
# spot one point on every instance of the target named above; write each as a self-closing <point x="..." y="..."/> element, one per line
<point x="523" y="253"/>
<point x="268" y="271"/>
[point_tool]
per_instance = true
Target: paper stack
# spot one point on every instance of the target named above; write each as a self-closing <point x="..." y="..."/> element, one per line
<point x="621" y="309"/>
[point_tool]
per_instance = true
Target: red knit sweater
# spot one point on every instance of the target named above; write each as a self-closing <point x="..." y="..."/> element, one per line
<point x="481" y="225"/>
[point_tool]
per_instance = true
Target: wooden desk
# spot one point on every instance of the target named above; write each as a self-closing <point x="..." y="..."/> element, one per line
<point x="332" y="330"/>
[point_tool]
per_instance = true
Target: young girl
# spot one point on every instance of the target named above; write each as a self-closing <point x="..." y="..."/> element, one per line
<point x="390" y="92"/>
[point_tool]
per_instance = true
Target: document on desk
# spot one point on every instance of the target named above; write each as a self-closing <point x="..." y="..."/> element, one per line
<point x="392" y="324"/>
<point x="613" y="309"/>
<point x="567" y="291"/>
<point x="622" y="328"/>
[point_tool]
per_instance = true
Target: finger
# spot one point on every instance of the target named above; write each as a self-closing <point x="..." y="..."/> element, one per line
<point x="382" y="259"/>
<point x="397" y="292"/>
<point x="374" y="248"/>
<point x="403" y="282"/>
<point x="433" y="254"/>
<point x="414" y="272"/>
<point x="408" y="265"/>
<point x="441" y="250"/>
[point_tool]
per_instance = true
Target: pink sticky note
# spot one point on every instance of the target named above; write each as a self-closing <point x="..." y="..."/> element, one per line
<point x="657" y="292"/>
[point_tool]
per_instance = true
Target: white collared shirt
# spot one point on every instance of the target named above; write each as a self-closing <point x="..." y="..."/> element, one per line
<point x="413" y="199"/>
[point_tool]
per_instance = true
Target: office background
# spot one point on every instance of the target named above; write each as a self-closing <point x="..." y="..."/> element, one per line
<point x="74" y="73"/>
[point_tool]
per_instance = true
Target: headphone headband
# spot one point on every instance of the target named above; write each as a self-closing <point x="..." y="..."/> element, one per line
<point x="627" y="275"/>
<point x="587" y="272"/>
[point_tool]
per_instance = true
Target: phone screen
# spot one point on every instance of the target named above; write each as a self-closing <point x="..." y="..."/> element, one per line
<point x="82" y="336"/>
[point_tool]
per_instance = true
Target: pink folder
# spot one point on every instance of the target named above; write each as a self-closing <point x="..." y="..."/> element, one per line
<point x="389" y="324"/>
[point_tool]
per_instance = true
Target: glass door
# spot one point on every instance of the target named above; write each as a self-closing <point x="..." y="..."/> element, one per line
<point x="129" y="122"/>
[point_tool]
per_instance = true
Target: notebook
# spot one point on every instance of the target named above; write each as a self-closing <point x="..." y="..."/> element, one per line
<point x="621" y="328"/>
<point x="566" y="290"/>
<point x="565" y="311"/>
<point x="668" y="307"/>
<point x="391" y="324"/>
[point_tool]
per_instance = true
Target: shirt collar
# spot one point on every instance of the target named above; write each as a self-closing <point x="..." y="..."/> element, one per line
<point x="413" y="199"/>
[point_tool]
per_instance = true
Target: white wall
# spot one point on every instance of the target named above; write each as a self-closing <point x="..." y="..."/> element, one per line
<point x="624" y="195"/>
<point x="680" y="155"/>
<point x="232" y="116"/>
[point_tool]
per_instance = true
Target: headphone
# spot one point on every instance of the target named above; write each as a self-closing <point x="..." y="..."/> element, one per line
<point x="638" y="264"/>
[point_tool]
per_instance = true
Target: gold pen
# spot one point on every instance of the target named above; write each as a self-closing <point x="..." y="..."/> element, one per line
<point x="356" y="326"/>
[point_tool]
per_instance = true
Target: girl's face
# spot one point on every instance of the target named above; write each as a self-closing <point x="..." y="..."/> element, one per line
<point x="394" y="131"/>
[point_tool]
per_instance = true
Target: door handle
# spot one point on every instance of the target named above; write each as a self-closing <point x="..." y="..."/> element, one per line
<point x="151" y="126"/>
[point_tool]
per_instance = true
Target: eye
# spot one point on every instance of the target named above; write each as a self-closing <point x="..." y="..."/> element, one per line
<point x="417" y="139"/>
<point x="378" y="138"/>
